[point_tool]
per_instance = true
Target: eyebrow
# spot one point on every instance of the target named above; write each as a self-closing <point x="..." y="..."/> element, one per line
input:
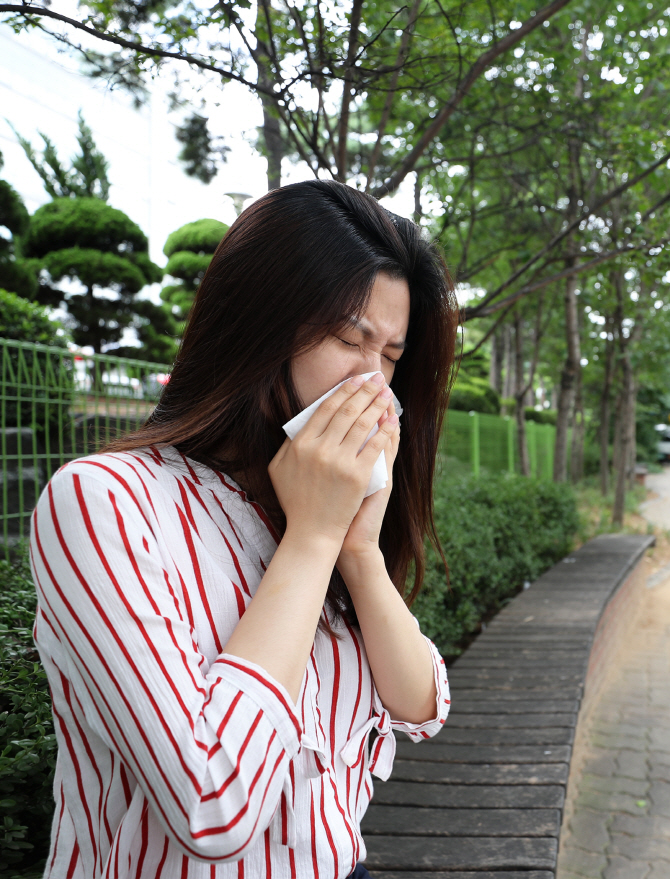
<point x="369" y="334"/>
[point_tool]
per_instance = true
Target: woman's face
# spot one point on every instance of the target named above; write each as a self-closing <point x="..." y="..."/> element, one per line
<point x="372" y="343"/>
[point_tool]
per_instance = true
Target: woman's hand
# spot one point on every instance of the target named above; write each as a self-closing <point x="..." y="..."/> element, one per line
<point x="320" y="477"/>
<point x="363" y="534"/>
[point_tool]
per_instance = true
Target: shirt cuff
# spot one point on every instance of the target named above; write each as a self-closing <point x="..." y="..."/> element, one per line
<point x="266" y="692"/>
<point x="420" y="731"/>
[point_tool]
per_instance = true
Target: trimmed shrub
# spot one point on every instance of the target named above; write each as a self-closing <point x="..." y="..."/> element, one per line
<point x="27" y="739"/>
<point x="474" y="395"/>
<point x="541" y="416"/>
<point x="496" y="533"/>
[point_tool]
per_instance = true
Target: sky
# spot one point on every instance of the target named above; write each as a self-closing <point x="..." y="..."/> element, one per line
<point x="42" y="89"/>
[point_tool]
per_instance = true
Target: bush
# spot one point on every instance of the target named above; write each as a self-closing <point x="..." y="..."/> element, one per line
<point x="540" y="416"/>
<point x="24" y="321"/>
<point x="474" y="395"/>
<point x="27" y="739"/>
<point x="496" y="532"/>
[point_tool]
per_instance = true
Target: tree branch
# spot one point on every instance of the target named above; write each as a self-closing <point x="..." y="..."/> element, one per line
<point x="484" y="61"/>
<point x="343" y="130"/>
<point x="482" y="310"/>
<point x="28" y="10"/>
<point x="390" y="95"/>
<point x="613" y="193"/>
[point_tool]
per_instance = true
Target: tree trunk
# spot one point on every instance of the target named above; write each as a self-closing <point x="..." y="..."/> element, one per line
<point x="275" y="149"/>
<point x="509" y="380"/>
<point x="627" y="416"/>
<point x="418" y="210"/>
<point x="578" y="431"/>
<point x="519" y="395"/>
<point x="496" y="366"/>
<point x="632" y="449"/>
<point x="604" y="428"/>
<point x="568" y="387"/>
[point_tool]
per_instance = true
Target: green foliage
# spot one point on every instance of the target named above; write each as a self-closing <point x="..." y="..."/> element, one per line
<point x="201" y="152"/>
<point x="474" y="394"/>
<point x="83" y="222"/>
<point x="87" y="176"/>
<point x="184" y="264"/>
<point x="85" y="239"/>
<point x="15" y="273"/>
<point x="27" y="739"/>
<point x="24" y="321"/>
<point x="189" y="250"/>
<point x="496" y="533"/>
<point x="201" y="237"/>
<point x="540" y="416"/>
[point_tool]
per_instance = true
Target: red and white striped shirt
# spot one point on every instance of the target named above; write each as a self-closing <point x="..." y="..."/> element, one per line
<point x="177" y="760"/>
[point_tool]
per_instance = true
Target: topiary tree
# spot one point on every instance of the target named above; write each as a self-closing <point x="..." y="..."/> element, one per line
<point x="189" y="250"/>
<point x="15" y="273"/>
<point x="85" y="240"/>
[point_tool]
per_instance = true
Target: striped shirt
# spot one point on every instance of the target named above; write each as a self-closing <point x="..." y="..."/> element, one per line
<point x="177" y="760"/>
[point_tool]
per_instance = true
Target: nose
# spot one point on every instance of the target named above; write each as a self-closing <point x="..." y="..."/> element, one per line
<point x="373" y="362"/>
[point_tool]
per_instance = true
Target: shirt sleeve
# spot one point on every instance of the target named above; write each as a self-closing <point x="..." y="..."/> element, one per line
<point x="420" y="731"/>
<point x="210" y="748"/>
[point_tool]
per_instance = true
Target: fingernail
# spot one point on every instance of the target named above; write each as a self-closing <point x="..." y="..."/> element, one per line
<point x="393" y="419"/>
<point x="387" y="393"/>
<point x="357" y="381"/>
<point x="377" y="378"/>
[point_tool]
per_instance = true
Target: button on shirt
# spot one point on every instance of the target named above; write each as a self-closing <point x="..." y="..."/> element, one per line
<point x="176" y="759"/>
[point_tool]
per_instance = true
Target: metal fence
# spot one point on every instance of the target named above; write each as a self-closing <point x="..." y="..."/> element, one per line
<point x="56" y="405"/>
<point x="489" y="442"/>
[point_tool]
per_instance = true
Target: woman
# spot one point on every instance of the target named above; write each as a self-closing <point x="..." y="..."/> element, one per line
<point x="220" y="610"/>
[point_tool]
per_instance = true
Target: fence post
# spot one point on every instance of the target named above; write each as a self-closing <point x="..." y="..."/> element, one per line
<point x="475" y="443"/>
<point x="510" y="444"/>
<point x="549" y="439"/>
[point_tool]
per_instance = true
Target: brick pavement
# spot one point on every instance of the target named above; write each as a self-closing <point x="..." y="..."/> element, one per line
<point x="619" y="824"/>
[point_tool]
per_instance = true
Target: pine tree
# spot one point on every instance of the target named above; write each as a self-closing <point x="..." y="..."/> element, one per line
<point x="87" y="176"/>
<point x="86" y="240"/>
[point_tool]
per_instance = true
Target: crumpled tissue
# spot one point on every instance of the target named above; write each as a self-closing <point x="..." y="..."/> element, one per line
<point x="379" y="476"/>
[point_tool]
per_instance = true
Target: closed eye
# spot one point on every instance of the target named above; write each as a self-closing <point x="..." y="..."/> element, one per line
<point x="351" y="345"/>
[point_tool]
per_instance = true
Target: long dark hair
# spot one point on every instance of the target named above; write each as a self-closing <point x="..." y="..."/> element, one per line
<point x="292" y="269"/>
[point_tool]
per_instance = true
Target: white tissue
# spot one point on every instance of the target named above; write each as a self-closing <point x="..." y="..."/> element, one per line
<point x="379" y="476"/>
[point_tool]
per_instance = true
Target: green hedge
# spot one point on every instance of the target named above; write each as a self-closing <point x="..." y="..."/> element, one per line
<point x="473" y="394"/>
<point x="27" y="739"/>
<point x="496" y="531"/>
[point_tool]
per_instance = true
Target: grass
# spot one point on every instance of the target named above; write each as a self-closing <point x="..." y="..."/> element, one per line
<point x="595" y="511"/>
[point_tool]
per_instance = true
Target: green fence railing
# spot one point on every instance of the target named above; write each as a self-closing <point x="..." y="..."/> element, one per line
<point x="489" y="442"/>
<point x="56" y="405"/>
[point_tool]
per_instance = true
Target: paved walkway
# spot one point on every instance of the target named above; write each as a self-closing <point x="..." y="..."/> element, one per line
<point x="620" y="826"/>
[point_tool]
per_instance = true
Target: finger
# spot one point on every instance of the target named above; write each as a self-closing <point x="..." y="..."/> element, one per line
<point x="360" y="430"/>
<point x="380" y="441"/>
<point x="387" y="413"/>
<point x="324" y="413"/>
<point x="365" y="404"/>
